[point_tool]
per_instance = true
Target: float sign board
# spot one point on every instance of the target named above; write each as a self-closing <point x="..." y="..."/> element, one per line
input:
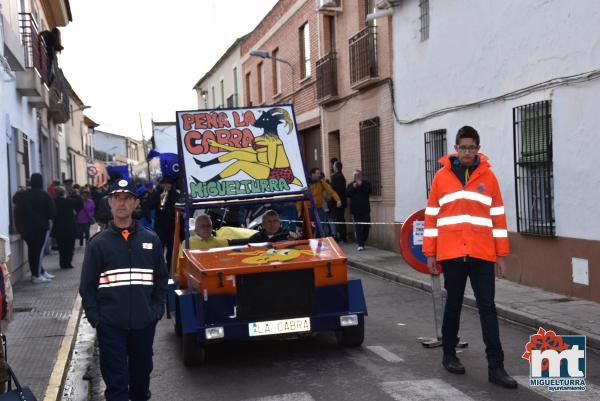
<point x="240" y="153"/>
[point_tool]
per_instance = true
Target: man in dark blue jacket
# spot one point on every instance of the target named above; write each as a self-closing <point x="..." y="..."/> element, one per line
<point x="123" y="288"/>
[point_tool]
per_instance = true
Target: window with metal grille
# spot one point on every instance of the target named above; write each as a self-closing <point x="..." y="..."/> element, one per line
<point x="435" y="148"/>
<point x="534" y="176"/>
<point x="370" y="154"/>
<point x="424" y="7"/>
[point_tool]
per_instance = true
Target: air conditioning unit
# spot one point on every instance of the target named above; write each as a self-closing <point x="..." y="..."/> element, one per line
<point x="329" y="6"/>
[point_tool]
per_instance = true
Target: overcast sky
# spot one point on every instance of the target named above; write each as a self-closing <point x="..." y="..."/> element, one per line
<point x="124" y="57"/>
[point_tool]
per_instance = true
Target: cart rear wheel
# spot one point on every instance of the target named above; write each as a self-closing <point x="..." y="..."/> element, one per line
<point x="193" y="353"/>
<point x="352" y="336"/>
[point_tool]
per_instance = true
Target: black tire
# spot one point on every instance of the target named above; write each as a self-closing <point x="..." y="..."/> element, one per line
<point x="193" y="353"/>
<point x="352" y="336"/>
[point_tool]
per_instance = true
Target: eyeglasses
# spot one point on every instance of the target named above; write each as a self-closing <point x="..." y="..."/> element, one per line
<point x="465" y="149"/>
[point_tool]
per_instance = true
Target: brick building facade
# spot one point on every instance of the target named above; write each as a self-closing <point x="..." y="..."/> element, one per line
<point x="354" y="90"/>
<point x="339" y="80"/>
<point x="289" y="32"/>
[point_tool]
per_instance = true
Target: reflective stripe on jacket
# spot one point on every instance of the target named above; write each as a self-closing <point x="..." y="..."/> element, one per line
<point x="465" y="221"/>
<point x="124" y="278"/>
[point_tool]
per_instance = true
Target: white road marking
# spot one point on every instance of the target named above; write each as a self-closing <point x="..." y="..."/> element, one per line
<point x="384" y="353"/>
<point x="401" y="324"/>
<point x="591" y="393"/>
<point x="286" y="397"/>
<point x="419" y="390"/>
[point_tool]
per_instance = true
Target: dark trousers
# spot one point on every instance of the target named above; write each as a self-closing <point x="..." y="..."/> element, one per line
<point x="66" y="246"/>
<point x="83" y="232"/>
<point x="481" y="275"/>
<point x="126" y="362"/>
<point x="35" y="243"/>
<point x="361" y="231"/>
<point x="167" y="242"/>
<point x="338" y="215"/>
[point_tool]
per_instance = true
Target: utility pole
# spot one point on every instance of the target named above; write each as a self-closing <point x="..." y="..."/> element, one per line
<point x="144" y="145"/>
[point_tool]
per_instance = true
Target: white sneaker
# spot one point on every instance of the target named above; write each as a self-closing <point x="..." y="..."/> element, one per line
<point x="40" y="280"/>
<point x="48" y="275"/>
<point x="360" y="248"/>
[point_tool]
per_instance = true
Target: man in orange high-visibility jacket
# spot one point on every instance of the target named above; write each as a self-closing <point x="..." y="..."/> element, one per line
<point x="465" y="230"/>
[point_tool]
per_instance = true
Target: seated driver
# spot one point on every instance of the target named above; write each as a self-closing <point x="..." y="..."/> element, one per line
<point x="203" y="237"/>
<point x="271" y="230"/>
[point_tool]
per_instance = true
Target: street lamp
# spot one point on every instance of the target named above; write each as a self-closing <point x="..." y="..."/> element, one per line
<point x="80" y="109"/>
<point x="266" y="54"/>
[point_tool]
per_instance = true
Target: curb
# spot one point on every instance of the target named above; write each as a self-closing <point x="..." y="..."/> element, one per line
<point x="506" y="312"/>
<point x="63" y="357"/>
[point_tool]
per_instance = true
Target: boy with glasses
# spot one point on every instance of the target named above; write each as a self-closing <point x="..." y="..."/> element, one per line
<point x="465" y="231"/>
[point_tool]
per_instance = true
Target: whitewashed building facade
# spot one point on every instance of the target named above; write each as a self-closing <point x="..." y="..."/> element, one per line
<point x="524" y="74"/>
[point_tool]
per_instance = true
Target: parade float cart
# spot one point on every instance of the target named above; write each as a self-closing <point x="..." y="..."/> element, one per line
<point x="245" y="157"/>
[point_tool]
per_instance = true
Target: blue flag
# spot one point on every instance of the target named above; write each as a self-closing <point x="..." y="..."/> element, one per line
<point x="123" y="170"/>
<point x="169" y="165"/>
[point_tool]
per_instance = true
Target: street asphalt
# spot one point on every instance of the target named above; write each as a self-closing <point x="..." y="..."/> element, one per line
<point x="391" y="364"/>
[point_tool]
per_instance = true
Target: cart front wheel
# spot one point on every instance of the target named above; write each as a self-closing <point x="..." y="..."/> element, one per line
<point x="352" y="336"/>
<point x="193" y="353"/>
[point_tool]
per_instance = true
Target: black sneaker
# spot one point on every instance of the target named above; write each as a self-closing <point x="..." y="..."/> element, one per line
<point x="497" y="375"/>
<point x="453" y="365"/>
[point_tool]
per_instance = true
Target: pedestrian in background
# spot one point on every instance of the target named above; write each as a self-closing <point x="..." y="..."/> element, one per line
<point x="85" y="217"/>
<point x="64" y="228"/>
<point x="338" y="183"/>
<point x="465" y="231"/>
<point x="124" y="305"/>
<point x="163" y="202"/>
<point x="358" y="192"/>
<point x="318" y="188"/>
<point x="52" y="187"/>
<point x="34" y="211"/>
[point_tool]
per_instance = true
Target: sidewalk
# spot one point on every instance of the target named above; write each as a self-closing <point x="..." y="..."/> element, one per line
<point x="529" y="306"/>
<point x="41" y="334"/>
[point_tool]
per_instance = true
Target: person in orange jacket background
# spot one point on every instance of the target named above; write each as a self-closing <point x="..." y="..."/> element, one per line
<point x="465" y="231"/>
<point x="318" y="186"/>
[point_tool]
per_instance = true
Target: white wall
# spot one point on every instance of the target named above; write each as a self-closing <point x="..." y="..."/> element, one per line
<point x="479" y="49"/>
<point x="14" y="112"/>
<point x="482" y="49"/>
<point x="225" y="72"/>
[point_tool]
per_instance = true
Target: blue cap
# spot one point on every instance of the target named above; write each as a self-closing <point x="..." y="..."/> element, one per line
<point x="123" y="185"/>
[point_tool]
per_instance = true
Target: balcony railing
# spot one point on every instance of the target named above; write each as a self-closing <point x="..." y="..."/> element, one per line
<point x="363" y="56"/>
<point x="36" y="55"/>
<point x="327" y="77"/>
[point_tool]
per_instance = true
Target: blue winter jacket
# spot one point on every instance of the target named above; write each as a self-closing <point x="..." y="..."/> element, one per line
<point x="124" y="278"/>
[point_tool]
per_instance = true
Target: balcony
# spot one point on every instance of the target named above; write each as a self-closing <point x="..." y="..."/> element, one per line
<point x="363" y="58"/>
<point x="33" y="81"/>
<point x="59" y="97"/>
<point x="327" y="89"/>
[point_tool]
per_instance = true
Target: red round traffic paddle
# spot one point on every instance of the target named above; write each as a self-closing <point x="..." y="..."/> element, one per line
<point x="411" y="242"/>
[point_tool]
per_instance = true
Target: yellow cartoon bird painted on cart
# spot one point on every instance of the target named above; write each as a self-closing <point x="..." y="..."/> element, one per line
<point x="260" y="257"/>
